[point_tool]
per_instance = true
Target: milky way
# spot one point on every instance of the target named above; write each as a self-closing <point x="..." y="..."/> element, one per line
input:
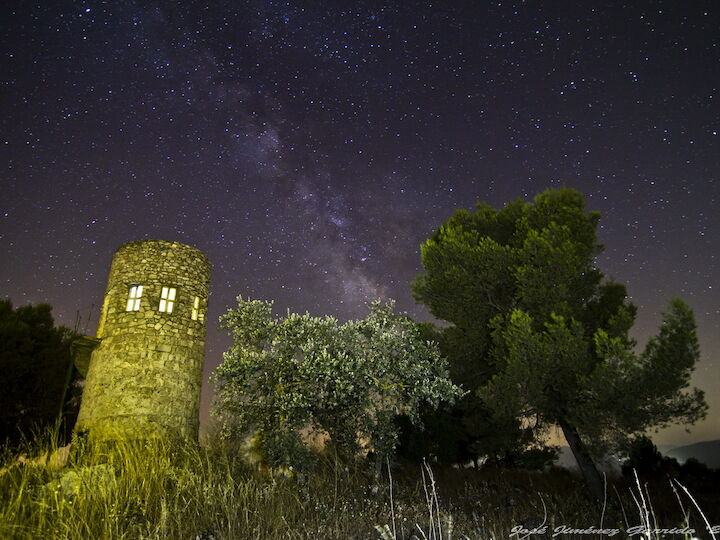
<point x="308" y="148"/>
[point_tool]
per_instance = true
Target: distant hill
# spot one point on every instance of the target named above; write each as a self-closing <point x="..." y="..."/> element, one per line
<point x="707" y="452"/>
<point x="665" y="449"/>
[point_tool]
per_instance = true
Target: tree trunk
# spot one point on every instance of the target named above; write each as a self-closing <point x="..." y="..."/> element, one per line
<point x="587" y="465"/>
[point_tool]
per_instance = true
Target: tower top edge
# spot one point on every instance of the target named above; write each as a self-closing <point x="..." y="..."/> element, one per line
<point x="160" y="243"/>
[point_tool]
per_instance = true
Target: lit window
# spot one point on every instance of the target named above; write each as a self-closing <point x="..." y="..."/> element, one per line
<point x="196" y="308"/>
<point x="167" y="299"/>
<point x="133" y="302"/>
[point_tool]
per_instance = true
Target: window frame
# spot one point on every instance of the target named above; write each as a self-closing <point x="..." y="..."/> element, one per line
<point x="168" y="299"/>
<point x="195" y="310"/>
<point x="134" y="297"/>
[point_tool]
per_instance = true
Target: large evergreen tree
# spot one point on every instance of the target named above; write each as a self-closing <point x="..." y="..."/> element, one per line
<point x="545" y="338"/>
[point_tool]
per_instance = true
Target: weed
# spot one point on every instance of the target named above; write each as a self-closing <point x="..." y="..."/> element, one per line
<point x="155" y="489"/>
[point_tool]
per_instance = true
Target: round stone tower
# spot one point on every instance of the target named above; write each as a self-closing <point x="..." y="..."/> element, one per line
<point x="143" y="372"/>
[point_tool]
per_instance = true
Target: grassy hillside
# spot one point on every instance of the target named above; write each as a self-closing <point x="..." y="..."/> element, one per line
<point x="147" y="490"/>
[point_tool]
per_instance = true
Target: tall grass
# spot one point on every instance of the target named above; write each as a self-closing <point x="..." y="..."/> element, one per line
<point x="152" y="489"/>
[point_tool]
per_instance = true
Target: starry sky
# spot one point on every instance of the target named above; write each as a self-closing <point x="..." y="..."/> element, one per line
<point x="308" y="148"/>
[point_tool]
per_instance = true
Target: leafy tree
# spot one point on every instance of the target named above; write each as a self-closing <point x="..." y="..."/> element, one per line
<point x="645" y="459"/>
<point x="34" y="361"/>
<point x="547" y="339"/>
<point x="306" y="374"/>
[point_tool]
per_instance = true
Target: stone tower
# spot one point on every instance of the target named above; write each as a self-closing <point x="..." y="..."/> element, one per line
<point x="143" y="372"/>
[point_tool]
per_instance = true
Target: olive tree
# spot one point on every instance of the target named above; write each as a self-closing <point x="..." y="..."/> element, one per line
<point x="289" y="378"/>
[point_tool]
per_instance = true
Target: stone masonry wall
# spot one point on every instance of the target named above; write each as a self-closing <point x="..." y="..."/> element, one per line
<point x="144" y="378"/>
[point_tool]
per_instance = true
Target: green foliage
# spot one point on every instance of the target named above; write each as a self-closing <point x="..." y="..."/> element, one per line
<point x="281" y="376"/>
<point x="541" y="336"/>
<point x="34" y="360"/>
<point x="601" y="387"/>
<point x="537" y="257"/>
<point x="479" y="267"/>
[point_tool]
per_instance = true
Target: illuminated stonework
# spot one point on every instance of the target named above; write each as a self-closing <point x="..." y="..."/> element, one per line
<point x="145" y="368"/>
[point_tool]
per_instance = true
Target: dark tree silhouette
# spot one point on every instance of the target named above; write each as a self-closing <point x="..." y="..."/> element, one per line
<point x="645" y="459"/>
<point x="34" y="362"/>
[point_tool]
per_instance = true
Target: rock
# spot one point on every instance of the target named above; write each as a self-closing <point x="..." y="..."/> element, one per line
<point x="72" y="481"/>
<point x="56" y="460"/>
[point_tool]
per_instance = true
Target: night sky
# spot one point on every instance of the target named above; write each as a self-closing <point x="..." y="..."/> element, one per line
<point x="308" y="148"/>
